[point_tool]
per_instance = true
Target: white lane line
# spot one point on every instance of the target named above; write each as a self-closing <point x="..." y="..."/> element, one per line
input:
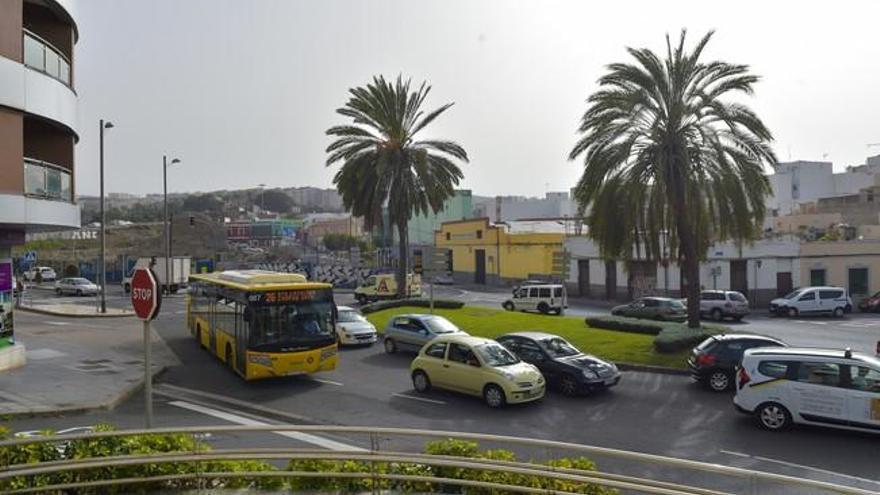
<point x="57" y="323"/>
<point x="328" y="382"/>
<point x="181" y="312"/>
<point x="801" y="466"/>
<point x="241" y="420"/>
<point x="422" y="399"/>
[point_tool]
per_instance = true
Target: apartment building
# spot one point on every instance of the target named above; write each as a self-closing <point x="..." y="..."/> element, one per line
<point x="37" y="135"/>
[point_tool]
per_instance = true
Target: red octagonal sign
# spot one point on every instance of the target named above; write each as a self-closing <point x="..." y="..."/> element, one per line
<point x="145" y="295"/>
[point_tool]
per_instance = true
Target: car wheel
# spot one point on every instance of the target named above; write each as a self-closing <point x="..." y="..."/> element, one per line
<point x="719" y="381"/>
<point x="838" y="312"/>
<point x="79" y="293"/>
<point x="543" y="308"/>
<point x="792" y="312"/>
<point x="508" y="306"/>
<point x="494" y="396"/>
<point x="58" y="291"/>
<point x="390" y="346"/>
<point x="568" y="385"/>
<point x="361" y="299"/>
<point x="772" y="416"/>
<point x="421" y="382"/>
<point x="716" y="315"/>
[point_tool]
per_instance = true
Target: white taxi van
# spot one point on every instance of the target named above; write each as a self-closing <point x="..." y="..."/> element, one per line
<point x="824" y="387"/>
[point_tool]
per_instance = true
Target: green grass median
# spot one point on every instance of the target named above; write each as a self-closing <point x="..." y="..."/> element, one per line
<point x="491" y="323"/>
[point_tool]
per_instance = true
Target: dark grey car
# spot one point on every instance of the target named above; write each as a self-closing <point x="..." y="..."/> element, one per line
<point x="653" y="308"/>
<point x="411" y="332"/>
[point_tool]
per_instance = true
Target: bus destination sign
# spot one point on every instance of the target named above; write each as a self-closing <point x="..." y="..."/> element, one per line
<point x="283" y="296"/>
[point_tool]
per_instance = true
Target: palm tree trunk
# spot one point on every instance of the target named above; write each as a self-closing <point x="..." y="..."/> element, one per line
<point x="402" y="257"/>
<point x="688" y="242"/>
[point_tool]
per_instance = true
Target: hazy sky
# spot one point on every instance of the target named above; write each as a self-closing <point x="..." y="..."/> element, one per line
<point x="242" y="91"/>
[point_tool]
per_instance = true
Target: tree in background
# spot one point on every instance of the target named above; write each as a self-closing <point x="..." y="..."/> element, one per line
<point x="274" y="200"/>
<point x="207" y="203"/>
<point x="343" y="242"/>
<point x="382" y="163"/>
<point x="665" y="152"/>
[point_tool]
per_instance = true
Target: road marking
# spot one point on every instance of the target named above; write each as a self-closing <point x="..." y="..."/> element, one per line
<point x="801" y="466"/>
<point x="328" y="382"/>
<point x="181" y="312"/>
<point x="422" y="399"/>
<point x="58" y="323"/>
<point x="241" y="420"/>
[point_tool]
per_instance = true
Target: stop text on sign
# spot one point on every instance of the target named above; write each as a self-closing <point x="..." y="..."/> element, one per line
<point x="141" y="294"/>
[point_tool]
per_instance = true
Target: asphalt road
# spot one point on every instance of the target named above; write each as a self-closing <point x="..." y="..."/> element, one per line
<point x="651" y="413"/>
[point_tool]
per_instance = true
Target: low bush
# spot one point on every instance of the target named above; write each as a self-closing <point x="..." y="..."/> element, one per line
<point x="669" y="336"/>
<point x="419" y="303"/>
<point x="631" y="325"/>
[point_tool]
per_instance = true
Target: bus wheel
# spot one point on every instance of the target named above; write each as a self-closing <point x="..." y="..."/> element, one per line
<point x="229" y="356"/>
<point x="199" y="336"/>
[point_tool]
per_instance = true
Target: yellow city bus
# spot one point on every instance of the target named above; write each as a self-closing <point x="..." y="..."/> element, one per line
<point x="263" y="324"/>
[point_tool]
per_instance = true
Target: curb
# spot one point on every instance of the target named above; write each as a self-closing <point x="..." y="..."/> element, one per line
<point x="104" y="406"/>
<point x="31" y="309"/>
<point x="652" y="369"/>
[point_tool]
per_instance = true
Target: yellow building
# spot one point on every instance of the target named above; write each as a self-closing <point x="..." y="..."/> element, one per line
<point x="854" y="265"/>
<point x="486" y="253"/>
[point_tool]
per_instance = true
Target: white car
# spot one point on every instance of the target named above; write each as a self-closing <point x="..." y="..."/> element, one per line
<point x="782" y="386"/>
<point x="543" y="298"/>
<point x="353" y="329"/>
<point x="46" y="274"/>
<point x="76" y="286"/>
<point x="720" y="304"/>
<point x="813" y="301"/>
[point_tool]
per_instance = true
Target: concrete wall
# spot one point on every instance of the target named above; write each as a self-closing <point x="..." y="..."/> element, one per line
<point x="11" y="152"/>
<point x="836" y="258"/>
<point x="10" y="29"/>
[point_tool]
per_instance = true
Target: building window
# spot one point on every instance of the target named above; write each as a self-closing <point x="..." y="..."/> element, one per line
<point x="858" y="281"/>
<point x="479" y="234"/>
<point x="448" y="236"/>
<point x="817" y="277"/>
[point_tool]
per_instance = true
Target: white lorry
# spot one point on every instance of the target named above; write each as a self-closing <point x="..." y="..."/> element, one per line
<point x="178" y="266"/>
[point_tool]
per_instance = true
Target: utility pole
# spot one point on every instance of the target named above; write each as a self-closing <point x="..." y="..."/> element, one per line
<point x="165" y="165"/>
<point x="102" y="264"/>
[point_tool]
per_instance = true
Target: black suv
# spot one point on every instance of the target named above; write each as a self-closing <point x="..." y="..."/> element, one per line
<point x="714" y="361"/>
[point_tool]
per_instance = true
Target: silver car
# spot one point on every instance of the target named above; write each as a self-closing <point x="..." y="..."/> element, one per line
<point x="411" y="332"/>
<point x="720" y="304"/>
<point x="76" y="286"/>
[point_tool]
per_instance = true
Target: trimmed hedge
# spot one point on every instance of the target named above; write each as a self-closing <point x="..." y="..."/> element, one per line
<point x="420" y="303"/>
<point x="669" y="336"/>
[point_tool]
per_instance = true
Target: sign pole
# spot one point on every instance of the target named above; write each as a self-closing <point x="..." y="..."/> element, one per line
<point x="431" y="290"/>
<point x="148" y="376"/>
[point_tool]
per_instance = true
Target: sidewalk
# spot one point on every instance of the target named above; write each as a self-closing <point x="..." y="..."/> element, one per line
<point x="75" y="365"/>
<point x="72" y="310"/>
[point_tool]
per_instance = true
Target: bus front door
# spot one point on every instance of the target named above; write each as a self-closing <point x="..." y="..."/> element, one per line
<point x="241" y="339"/>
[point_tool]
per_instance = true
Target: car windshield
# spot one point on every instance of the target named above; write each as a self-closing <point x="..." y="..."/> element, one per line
<point x="675" y="303"/>
<point x="350" y="317"/>
<point x="439" y="325"/>
<point x="557" y="347"/>
<point x="793" y="294"/>
<point x="496" y="355"/>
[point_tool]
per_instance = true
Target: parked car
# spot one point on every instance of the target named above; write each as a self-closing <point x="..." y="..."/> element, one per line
<point x="353" y="329"/>
<point x="476" y="366"/>
<point x="41" y="273"/>
<point x="412" y="332"/>
<point x="543" y="298"/>
<point x="653" y="308"/>
<point x="823" y="387"/>
<point x="562" y="364"/>
<point x="713" y="363"/>
<point x="813" y="301"/>
<point x="721" y="304"/>
<point x="870" y="304"/>
<point x="76" y="286"/>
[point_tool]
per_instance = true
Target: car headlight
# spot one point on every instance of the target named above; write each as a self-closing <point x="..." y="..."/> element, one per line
<point x="590" y="374"/>
<point x="509" y="376"/>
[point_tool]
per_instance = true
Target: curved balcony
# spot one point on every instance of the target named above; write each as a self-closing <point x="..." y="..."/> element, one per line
<point x="41" y="55"/>
<point x="44" y="180"/>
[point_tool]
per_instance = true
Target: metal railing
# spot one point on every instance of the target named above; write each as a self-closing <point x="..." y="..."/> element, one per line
<point x="41" y="55"/>
<point x="46" y="180"/>
<point x="749" y="480"/>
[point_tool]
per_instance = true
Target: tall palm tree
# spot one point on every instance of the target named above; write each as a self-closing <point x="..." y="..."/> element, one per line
<point x="383" y="164"/>
<point x="667" y="155"/>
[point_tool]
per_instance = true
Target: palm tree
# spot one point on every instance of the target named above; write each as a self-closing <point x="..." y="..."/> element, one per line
<point x="666" y="155"/>
<point x="383" y="164"/>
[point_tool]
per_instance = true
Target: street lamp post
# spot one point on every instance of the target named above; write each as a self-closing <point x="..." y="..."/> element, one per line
<point x="102" y="278"/>
<point x="165" y="165"/>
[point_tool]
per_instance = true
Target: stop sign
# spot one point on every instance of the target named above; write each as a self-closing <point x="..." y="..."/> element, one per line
<point x="145" y="295"/>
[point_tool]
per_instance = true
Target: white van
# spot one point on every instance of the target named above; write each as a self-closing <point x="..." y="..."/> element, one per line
<point x="813" y="301"/>
<point x="781" y="386"/>
<point x="544" y="298"/>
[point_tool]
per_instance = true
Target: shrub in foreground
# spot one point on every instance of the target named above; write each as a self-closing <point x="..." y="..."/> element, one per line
<point x="669" y="336"/>
<point x="419" y="303"/>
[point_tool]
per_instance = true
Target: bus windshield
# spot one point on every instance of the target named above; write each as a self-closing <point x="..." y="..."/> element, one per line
<point x="291" y="325"/>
